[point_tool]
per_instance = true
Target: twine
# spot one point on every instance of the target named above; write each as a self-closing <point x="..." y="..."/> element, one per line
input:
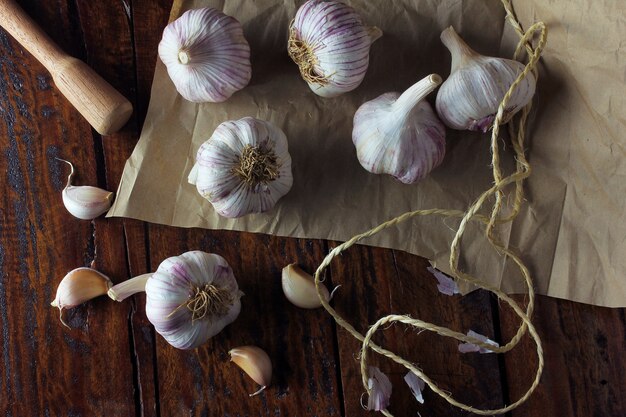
<point x="523" y="170"/>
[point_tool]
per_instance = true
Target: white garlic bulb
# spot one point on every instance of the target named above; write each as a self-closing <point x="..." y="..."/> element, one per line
<point x="330" y="44"/>
<point x="85" y="202"/>
<point x="470" y="97"/>
<point x="206" y="55"/>
<point x="189" y="299"/>
<point x="243" y="168"/>
<point x="400" y="135"/>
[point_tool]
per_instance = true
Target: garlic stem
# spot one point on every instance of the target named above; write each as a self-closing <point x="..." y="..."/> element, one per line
<point x="416" y="93"/>
<point x="123" y="290"/>
<point x="459" y="50"/>
<point x="374" y="32"/>
<point x="69" y="177"/>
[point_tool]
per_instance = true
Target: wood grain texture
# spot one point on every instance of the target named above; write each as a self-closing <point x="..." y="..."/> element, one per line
<point x="299" y="342"/>
<point x="113" y="363"/>
<point x="377" y="282"/>
<point x="585" y="373"/>
<point x="48" y="369"/>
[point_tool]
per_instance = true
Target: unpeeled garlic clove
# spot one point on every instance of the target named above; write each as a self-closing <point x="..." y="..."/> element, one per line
<point x="470" y="97"/>
<point x="400" y="134"/>
<point x="78" y="286"/>
<point x="85" y="202"/>
<point x="299" y="288"/>
<point x="254" y="362"/>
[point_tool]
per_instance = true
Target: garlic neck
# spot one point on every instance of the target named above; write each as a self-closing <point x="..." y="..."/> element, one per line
<point x="125" y="289"/>
<point x="416" y="93"/>
<point x="257" y="165"/>
<point x="374" y="32"/>
<point x="183" y="57"/>
<point x="460" y="51"/>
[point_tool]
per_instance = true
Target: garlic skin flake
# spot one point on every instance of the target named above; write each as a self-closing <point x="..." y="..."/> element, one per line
<point x="79" y="286"/>
<point x="330" y="44"/>
<point x="299" y="288"/>
<point x="255" y="362"/>
<point x="85" y="202"/>
<point x="470" y="97"/>
<point x="192" y="297"/>
<point x="206" y="55"/>
<point x="400" y="135"/>
<point x="243" y="168"/>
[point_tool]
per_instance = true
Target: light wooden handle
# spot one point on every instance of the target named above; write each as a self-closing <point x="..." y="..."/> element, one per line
<point x="102" y="105"/>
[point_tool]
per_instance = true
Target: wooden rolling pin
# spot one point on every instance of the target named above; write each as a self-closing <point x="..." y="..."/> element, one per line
<point x="102" y="105"/>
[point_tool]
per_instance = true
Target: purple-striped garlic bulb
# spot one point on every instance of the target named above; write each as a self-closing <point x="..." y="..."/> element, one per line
<point x="400" y="134"/>
<point x="243" y="168"/>
<point x="189" y="299"/>
<point x="206" y="55"/>
<point x="331" y="45"/>
<point x="470" y="97"/>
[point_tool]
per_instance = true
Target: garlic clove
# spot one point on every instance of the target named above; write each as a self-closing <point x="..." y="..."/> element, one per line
<point x="330" y="45"/>
<point x="206" y="55"/>
<point x="470" y="97"/>
<point x="254" y="362"/>
<point x="85" y="202"/>
<point x="299" y="288"/>
<point x="79" y="286"/>
<point x="399" y="134"/>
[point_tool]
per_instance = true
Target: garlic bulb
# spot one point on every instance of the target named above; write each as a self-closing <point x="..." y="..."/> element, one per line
<point x="254" y="362"/>
<point x="330" y="44"/>
<point x="189" y="299"/>
<point x="243" y="168"/>
<point x="79" y="286"/>
<point x="470" y="97"/>
<point x="85" y="202"/>
<point x="400" y="135"/>
<point x="206" y="55"/>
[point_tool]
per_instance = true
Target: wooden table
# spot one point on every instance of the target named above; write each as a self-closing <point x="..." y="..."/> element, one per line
<point x="111" y="363"/>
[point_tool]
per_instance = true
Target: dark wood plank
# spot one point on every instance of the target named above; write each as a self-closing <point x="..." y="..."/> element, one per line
<point x="585" y="373"/>
<point x="48" y="369"/>
<point x="110" y="33"/>
<point x="299" y="342"/>
<point x="377" y="282"/>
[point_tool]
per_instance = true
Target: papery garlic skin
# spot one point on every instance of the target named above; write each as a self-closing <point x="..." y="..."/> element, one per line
<point x="330" y="44"/>
<point x="175" y="294"/>
<point x="470" y="97"/>
<point x="245" y="167"/>
<point x="206" y="55"/>
<point x="85" y="202"/>
<point x="399" y="134"/>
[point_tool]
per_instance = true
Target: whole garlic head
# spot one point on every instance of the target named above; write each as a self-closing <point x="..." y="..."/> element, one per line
<point x="243" y="168"/>
<point x="400" y="135"/>
<point x="330" y="44"/>
<point x="206" y="55"/>
<point x="470" y="97"/>
<point x="192" y="297"/>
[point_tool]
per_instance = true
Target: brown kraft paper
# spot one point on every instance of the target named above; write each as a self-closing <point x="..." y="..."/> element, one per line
<point x="571" y="231"/>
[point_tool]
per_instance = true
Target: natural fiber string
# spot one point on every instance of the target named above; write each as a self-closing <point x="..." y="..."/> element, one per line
<point x="523" y="170"/>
